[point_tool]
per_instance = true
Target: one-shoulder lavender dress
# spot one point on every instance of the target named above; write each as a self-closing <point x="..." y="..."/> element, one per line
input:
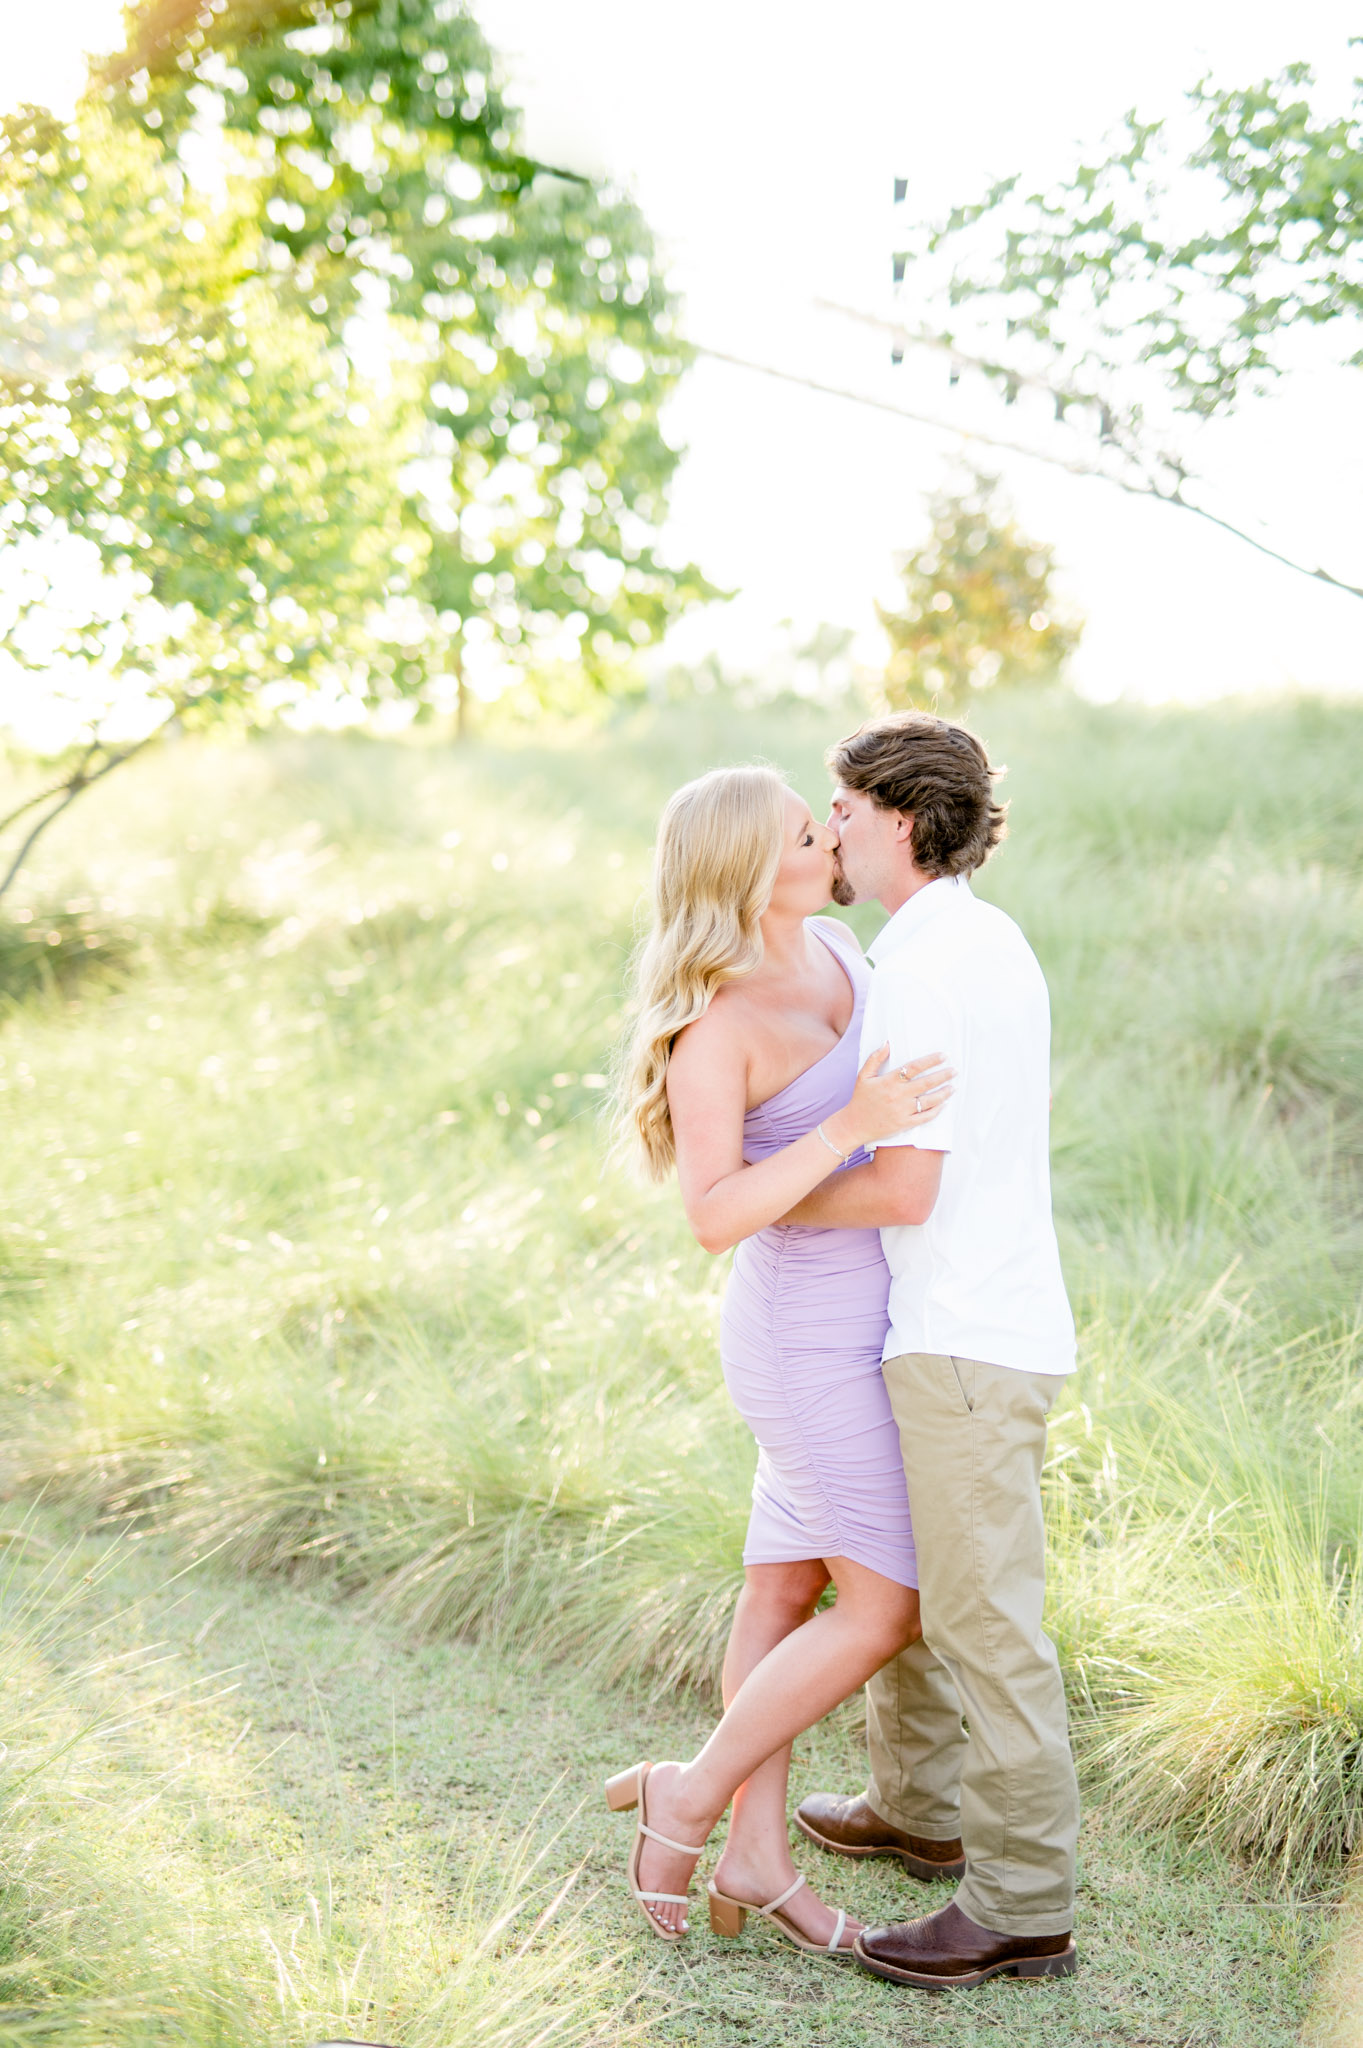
<point x="801" y="1337"/>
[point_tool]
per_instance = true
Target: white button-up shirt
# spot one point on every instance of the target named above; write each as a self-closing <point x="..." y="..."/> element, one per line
<point x="981" y="1278"/>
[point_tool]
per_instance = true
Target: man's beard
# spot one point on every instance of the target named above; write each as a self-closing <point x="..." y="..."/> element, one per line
<point x="843" y="892"/>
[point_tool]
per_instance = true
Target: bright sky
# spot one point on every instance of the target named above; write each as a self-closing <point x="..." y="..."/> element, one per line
<point x="761" y="143"/>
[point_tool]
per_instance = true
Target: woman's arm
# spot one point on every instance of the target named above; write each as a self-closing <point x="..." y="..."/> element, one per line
<point x="899" y="1185"/>
<point x="707" y="1088"/>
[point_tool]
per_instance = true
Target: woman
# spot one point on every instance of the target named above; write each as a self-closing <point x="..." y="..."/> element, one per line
<point x="743" y="1073"/>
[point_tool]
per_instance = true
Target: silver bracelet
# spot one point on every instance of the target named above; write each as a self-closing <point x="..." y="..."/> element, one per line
<point x="844" y="1156"/>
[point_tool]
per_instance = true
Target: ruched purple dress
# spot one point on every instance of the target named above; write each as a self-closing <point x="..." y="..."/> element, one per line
<point x="801" y="1335"/>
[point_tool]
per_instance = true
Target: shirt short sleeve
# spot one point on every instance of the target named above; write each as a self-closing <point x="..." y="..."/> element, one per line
<point x="917" y="1019"/>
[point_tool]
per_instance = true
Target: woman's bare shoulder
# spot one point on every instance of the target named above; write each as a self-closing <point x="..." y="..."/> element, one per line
<point x="718" y="1034"/>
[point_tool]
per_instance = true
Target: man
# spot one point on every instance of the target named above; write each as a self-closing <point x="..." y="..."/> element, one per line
<point x="980" y="1341"/>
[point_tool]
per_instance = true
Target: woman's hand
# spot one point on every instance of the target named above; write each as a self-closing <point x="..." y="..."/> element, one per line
<point x="883" y="1104"/>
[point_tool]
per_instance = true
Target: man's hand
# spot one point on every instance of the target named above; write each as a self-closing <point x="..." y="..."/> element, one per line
<point x="899" y="1185"/>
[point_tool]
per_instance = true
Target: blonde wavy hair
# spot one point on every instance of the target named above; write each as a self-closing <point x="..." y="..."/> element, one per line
<point x="720" y="843"/>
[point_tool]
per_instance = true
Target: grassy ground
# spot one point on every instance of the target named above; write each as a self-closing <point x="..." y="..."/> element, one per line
<point x="311" y="1280"/>
<point x="310" y="1817"/>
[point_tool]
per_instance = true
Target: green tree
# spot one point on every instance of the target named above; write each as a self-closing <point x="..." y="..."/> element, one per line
<point x="979" y="612"/>
<point x="158" y="403"/>
<point x="262" y="196"/>
<point x="528" y="306"/>
<point x="1139" y="324"/>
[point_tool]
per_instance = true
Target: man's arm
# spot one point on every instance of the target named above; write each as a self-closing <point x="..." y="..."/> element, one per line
<point x="899" y="1185"/>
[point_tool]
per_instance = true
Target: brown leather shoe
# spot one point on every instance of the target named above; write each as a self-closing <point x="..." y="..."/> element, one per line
<point x="850" y="1827"/>
<point x="946" y="1951"/>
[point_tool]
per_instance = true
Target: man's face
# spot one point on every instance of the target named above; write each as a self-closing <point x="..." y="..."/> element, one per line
<point x="869" y="845"/>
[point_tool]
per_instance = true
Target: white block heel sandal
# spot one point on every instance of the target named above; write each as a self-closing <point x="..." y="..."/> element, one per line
<point x="627" y="1789"/>
<point x="727" y="1916"/>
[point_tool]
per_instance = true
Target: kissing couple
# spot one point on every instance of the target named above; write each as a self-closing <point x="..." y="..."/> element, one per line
<point x="873" y="1141"/>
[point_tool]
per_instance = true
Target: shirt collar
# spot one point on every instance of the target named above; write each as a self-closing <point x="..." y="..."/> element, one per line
<point x="947" y="891"/>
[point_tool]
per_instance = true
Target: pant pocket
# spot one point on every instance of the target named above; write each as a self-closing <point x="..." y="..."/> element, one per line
<point x="963" y="1371"/>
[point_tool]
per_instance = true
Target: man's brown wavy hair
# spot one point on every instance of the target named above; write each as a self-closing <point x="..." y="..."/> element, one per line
<point x="935" y="772"/>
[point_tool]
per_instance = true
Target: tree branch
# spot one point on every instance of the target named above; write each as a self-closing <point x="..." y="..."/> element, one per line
<point x="73" y="791"/>
<point x="923" y="337"/>
<point x="1133" y="487"/>
<point x="78" y="781"/>
<point x="53" y="789"/>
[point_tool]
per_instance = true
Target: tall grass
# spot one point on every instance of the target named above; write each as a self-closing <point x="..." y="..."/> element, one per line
<point x="310" y="1255"/>
<point x="141" y="1903"/>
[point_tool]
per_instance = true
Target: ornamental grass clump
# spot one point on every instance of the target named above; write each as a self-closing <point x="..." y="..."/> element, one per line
<point x="1206" y="1600"/>
<point x="1242" y="1724"/>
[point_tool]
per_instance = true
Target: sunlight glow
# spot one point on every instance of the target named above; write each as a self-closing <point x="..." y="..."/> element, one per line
<point x="798" y="501"/>
<point x="46" y="50"/>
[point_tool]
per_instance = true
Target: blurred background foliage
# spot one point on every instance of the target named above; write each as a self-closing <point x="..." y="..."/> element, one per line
<point x="529" y="304"/>
<point x="1172" y="276"/>
<point x="328" y="372"/>
<point x="166" y="406"/>
<point x="1272" y="247"/>
<point x="979" y="610"/>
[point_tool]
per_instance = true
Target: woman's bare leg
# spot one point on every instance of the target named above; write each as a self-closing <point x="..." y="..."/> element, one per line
<point x="756" y="1861"/>
<point x="804" y="1674"/>
<point x="774" y="1602"/>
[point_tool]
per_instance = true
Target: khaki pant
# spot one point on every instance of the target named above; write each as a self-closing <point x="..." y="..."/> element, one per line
<point x="973" y="1438"/>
